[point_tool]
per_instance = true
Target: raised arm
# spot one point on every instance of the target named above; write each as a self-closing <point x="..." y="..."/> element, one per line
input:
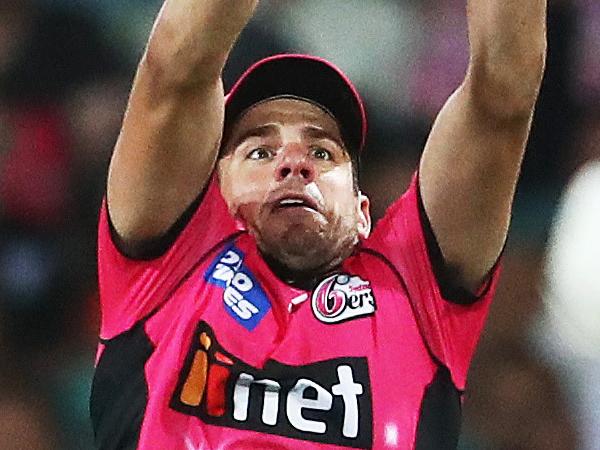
<point x="472" y="159"/>
<point x="173" y="125"/>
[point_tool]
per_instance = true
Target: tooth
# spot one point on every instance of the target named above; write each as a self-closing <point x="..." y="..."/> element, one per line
<point x="291" y="202"/>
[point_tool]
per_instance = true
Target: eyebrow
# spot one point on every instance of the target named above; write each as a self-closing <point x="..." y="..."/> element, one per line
<point x="315" y="132"/>
<point x="270" y="129"/>
<point x="260" y="131"/>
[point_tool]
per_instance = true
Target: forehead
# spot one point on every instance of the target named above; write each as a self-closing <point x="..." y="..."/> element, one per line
<point x="285" y="112"/>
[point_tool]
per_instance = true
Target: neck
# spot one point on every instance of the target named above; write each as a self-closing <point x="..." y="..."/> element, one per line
<point x="302" y="279"/>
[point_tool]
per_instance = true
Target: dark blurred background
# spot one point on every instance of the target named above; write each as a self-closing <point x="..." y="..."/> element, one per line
<point x="65" y="71"/>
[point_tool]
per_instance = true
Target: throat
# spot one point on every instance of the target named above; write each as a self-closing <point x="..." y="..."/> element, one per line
<point x="306" y="280"/>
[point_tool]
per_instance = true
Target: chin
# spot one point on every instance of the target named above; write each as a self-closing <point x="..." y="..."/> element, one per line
<point x="301" y="243"/>
<point x="305" y="249"/>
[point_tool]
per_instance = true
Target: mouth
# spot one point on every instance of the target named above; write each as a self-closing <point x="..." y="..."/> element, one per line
<point x="296" y="202"/>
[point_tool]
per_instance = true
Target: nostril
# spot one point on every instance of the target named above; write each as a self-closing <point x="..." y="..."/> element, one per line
<point x="284" y="172"/>
<point x="305" y="173"/>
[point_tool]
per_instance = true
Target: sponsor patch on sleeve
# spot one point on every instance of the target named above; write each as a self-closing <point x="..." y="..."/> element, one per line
<point x="243" y="297"/>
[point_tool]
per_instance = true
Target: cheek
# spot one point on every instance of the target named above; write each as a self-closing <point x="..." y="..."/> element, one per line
<point x="338" y="192"/>
<point x="245" y="187"/>
<point x="244" y="193"/>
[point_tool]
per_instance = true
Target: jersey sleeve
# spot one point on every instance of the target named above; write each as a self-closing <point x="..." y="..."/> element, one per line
<point x="450" y="328"/>
<point x="132" y="288"/>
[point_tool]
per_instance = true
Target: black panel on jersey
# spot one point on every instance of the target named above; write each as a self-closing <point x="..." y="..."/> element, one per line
<point x="153" y="248"/>
<point x="444" y="274"/>
<point x="120" y="392"/>
<point x="440" y="419"/>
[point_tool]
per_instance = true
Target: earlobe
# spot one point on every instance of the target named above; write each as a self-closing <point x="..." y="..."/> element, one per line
<point x="364" y="216"/>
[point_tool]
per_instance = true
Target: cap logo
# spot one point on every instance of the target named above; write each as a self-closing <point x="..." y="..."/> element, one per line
<point x="343" y="297"/>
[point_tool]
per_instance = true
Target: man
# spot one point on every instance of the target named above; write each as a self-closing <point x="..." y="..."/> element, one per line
<point x="246" y="303"/>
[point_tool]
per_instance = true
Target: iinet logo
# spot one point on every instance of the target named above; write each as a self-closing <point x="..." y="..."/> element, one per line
<point x="297" y="401"/>
<point x="328" y="401"/>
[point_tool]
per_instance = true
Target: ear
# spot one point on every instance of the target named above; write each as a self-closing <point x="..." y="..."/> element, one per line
<point x="364" y="216"/>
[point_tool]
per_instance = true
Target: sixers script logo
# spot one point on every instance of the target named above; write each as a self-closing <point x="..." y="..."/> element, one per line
<point x="343" y="297"/>
<point x="327" y="402"/>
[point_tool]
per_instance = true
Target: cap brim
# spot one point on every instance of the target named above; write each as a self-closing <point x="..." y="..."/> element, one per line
<point x="306" y="77"/>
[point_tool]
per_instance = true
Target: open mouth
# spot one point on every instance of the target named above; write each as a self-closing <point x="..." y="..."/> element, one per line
<point x="296" y="202"/>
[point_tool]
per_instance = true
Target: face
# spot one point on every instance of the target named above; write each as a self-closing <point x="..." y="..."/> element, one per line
<point x="286" y="174"/>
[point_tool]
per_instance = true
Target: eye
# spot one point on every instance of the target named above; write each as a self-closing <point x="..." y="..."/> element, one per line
<point x="260" y="153"/>
<point x="321" y="153"/>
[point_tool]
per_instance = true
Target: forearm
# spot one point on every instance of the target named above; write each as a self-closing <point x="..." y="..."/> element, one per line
<point x="191" y="39"/>
<point x="508" y="48"/>
<point x="173" y="124"/>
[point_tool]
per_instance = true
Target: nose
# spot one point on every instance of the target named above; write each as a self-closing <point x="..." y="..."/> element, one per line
<point x="295" y="163"/>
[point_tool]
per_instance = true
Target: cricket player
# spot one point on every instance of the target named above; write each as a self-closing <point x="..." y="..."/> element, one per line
<point x="247" y="300"/>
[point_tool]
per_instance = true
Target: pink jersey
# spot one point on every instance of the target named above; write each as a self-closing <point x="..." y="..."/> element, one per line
<point x="203" y="347"/>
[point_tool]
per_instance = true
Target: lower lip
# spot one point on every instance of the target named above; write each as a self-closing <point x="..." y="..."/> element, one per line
<point x="296" y="208"/>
